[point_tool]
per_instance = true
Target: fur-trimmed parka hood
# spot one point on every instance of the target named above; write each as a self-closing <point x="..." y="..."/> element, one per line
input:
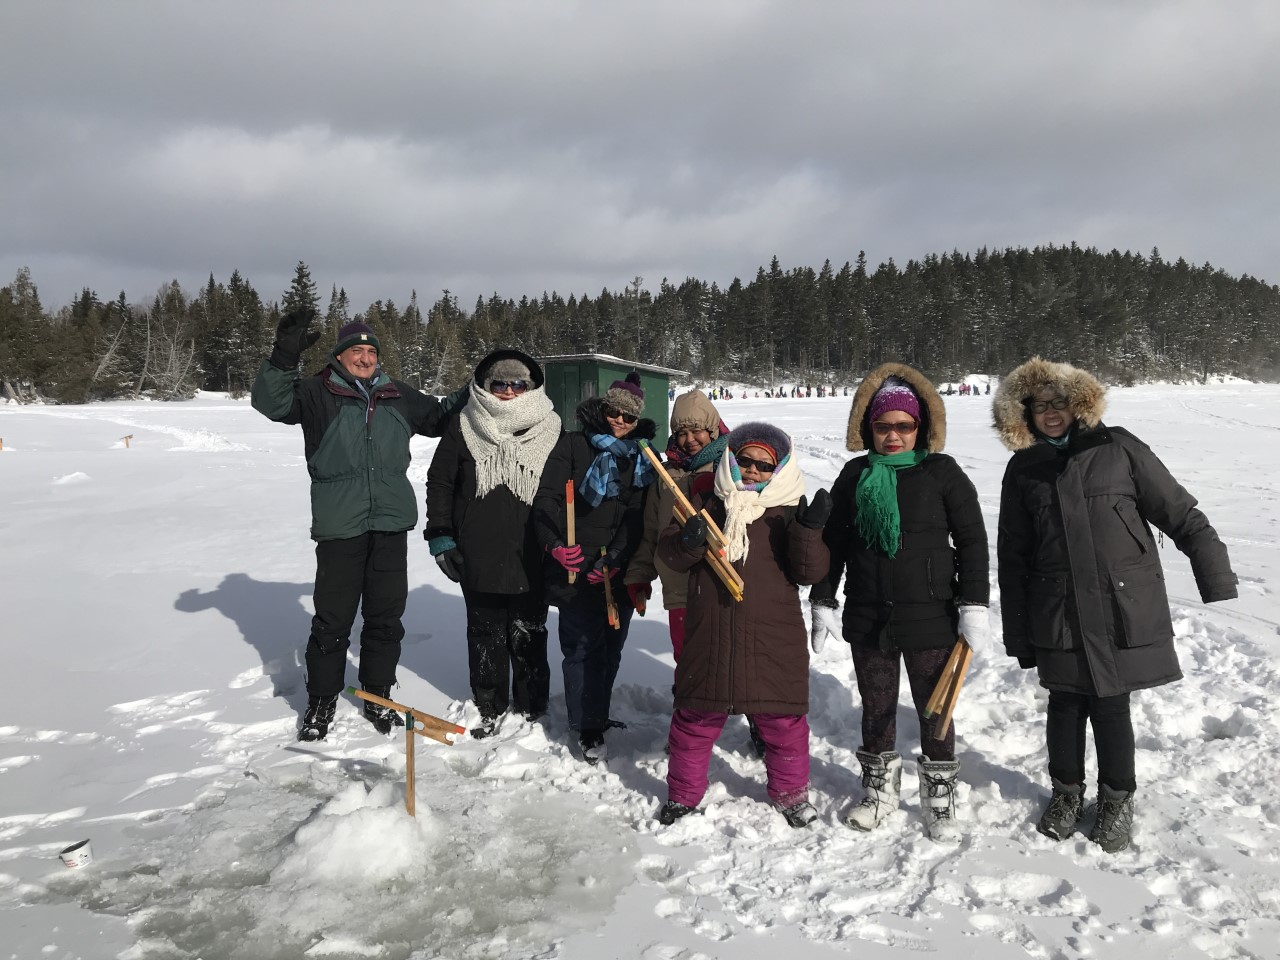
<point x="933" y="415"/>
<point x="1009" y="413"/>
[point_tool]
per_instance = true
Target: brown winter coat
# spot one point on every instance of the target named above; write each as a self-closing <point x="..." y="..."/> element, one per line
<point x="647" y="563"/>
<point x="750" y="656"/>
<point x="691" y="409"/>
<point x="1081" y="579"/>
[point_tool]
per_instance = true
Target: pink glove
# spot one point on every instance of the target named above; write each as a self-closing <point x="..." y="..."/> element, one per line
<point x="597" y="573"/>
<point x="568" y="557"/>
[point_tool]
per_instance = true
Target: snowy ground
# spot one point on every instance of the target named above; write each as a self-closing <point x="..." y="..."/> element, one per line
<point x="155" y="603"/>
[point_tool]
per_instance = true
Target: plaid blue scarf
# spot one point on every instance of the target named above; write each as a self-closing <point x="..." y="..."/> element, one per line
<point x="601" y="480"/>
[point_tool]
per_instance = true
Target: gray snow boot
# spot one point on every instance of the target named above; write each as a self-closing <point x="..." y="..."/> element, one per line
<point x="881" y="789"/>
<point x="799" y="814"/>
<point x="938" y="798"/>
<point x="1065" y="809"/>
<point x="1113" y="829"/>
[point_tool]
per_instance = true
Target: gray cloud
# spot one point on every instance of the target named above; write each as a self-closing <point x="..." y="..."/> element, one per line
<point x="515" y="147"/>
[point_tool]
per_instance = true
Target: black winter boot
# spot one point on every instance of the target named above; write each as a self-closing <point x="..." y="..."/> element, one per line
<point x="1113" y="829"/>
<point x="672" y="811"/>
<point x="315" y="722"/>
<point x="592" y="745"/>
<point x="382" y="718"/>
<point x="757" y="741"/>
<point x="486" y="726"/>
<point x="1065" y="809"/>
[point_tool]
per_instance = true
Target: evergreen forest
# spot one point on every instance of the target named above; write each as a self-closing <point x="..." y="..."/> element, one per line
<point x="1126" y="317"/>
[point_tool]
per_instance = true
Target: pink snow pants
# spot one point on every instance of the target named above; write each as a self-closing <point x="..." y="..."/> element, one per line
<point x="694" y="733"/>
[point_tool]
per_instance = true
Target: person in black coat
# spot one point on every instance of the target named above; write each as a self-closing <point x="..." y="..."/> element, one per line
<point x="1082" y="586"/>
<point x="907" y="529"/>
<point x="480" y="491"/>
<point x="609" y="475"/>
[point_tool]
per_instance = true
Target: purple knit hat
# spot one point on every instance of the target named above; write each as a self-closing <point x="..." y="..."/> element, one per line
<point x="353" y="333"/>
<point x="895" y="394"/>
<point x="626" y="395"/>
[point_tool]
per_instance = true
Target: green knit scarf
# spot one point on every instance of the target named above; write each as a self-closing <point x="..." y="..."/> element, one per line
<point x="877" y="498"/>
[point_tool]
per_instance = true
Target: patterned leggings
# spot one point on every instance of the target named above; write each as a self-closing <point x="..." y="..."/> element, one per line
<point x="878" y="680"/>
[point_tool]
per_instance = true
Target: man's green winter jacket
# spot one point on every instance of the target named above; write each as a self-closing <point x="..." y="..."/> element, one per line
<point x="356" y="444"/>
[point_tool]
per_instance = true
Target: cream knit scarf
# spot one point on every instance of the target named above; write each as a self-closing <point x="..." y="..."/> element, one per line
<point x="744" y="507"/>
<point x="504" y="455"/>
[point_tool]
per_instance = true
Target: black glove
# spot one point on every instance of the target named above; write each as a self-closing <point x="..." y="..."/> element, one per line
<point x="814" y="515"/>
<point x="694" y="534"/>
<point x="451" y="563"/>
<point x="1027" y="661"/>
<point x="293" y="336"/>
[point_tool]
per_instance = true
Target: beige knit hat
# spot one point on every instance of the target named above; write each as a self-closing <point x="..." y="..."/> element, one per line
<point x="695" y="410"/>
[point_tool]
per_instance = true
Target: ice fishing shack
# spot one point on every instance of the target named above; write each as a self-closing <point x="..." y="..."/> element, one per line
<point x="573" y="378"/>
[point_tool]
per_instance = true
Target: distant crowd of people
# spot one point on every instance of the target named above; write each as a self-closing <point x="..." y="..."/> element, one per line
<point x="525" y="512"/>
<point x="821" y="390"/>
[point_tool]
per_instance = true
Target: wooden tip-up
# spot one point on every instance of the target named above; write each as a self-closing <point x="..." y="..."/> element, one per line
<point x="682" y="509"/>
<point x="610" y="606"/>
<point x="570" y="531"/>
<point x="942" y="703"/>
<point x="430" y="725"/>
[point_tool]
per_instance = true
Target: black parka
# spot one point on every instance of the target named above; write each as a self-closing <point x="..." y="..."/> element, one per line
<point x="908" y="601"/>
<point x="1081" y="581"/>
<point x="495" y="532"/>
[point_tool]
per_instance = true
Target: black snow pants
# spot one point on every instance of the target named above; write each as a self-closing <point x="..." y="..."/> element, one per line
<point x="369" y="573"/>
<point x="1112" y="738"/>
<point x="507" y="652"/>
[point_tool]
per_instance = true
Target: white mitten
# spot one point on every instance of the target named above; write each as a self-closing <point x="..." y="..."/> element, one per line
<point x="824" y="620"/>
<point x="975" y="625"/>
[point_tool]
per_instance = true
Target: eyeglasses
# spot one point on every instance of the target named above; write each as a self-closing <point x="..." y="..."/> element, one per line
<point x="1040" y="406"/>
<point x="764" y="466"/>
<point x="902" y="428"/>
<point x="613" y="413"/>
<point x="502" y="386"/>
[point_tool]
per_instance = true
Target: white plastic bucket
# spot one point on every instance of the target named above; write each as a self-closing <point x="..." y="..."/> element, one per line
<point x="77" y="855"/>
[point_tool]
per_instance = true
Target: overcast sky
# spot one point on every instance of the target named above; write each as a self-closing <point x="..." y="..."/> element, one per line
<point x="517" y="147"/>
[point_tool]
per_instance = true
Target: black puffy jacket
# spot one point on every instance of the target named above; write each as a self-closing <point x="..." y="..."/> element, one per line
<point x="909" y="601"/>
<point x="617" y="524"/>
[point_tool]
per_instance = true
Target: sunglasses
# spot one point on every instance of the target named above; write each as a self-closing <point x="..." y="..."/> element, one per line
<point x="902" y="428"/>
<point x="502" y="386"/>
<point x="613" y="413"/>
<point x="764" y="466"/>
<point x="1040" y="406"/>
